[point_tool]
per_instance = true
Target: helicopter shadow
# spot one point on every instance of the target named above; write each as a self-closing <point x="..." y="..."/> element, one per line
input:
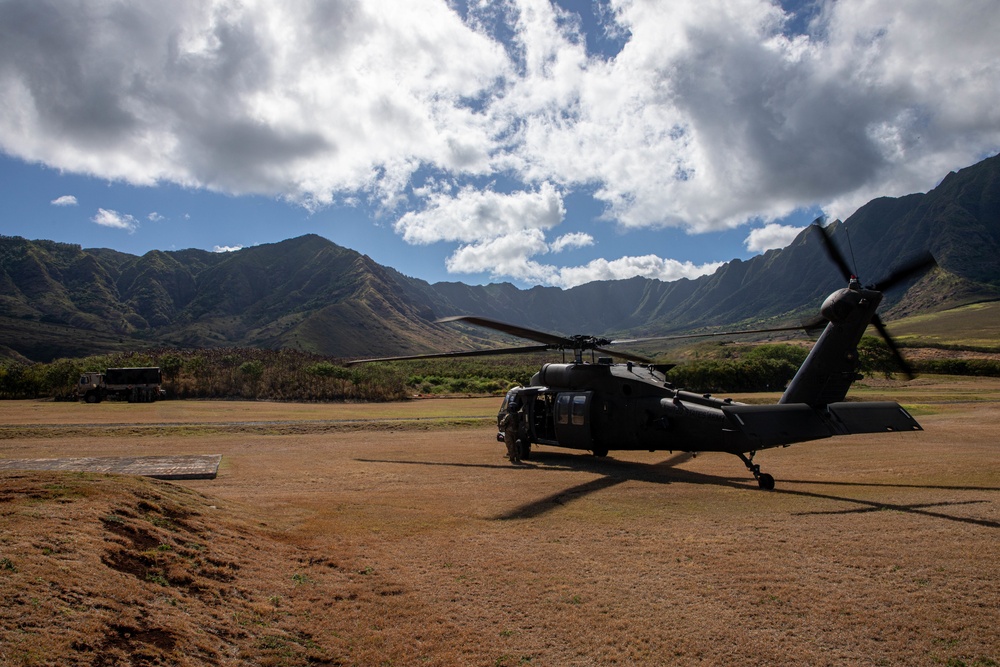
<point x="614" y="472"/>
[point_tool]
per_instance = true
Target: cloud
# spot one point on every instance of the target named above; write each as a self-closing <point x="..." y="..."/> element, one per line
<point x="507" y="255"/>
<point x="227" y="248"/>
<point x="708" y="114"/>
<point x="309" y="101"/>
<point x="572" y="240"/>
<point x="646" y="266"/>
<point x="115" y="220"/>
<point x="511" y="256"/>
<point x="712" y="115"/>
<point x="473" y="215"/>
<point x="502" y="233"/>
<point x="771" y="236"/>
<point x="155" y="217"/>
<point x="65" y="200"/>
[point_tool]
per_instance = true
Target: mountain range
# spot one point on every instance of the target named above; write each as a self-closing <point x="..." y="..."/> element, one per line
<point x="61" y="300"/>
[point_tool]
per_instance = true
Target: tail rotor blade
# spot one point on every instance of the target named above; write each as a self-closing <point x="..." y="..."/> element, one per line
<point x="912" y="268"/>
<point x="832" y="250"/>
<point x="905" y="367"/>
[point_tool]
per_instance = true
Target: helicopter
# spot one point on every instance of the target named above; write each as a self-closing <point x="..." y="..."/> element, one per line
<point x="600" y="405"/>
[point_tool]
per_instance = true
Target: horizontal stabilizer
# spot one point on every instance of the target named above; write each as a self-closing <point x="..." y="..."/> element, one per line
<point x="875" y="417"/>
<point x="753" y="427"/>
<point x="762" y="426"/>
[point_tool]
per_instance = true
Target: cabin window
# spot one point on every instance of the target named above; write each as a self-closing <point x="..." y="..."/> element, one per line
<point x="563" y="408"/>
<point x="579" y="410"/>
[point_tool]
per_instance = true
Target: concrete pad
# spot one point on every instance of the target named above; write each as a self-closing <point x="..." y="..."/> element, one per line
<point x="159" y="467"/>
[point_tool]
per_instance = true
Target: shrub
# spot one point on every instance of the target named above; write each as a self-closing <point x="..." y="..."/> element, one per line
<point x="745" y="374"/>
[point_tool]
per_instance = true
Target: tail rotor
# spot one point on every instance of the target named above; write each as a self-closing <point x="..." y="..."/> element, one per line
<point x="908" y="270"/>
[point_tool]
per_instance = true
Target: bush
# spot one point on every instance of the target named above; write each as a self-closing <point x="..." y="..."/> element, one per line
<point x="976" y="367"/>
<point x="745" y="374"/>
<point x="282" y="375"/>
<point x="875" y="358"/>
<point x="325" y="369"/>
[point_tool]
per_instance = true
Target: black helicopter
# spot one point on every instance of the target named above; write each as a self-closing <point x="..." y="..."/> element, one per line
<point x="601" y="406"/>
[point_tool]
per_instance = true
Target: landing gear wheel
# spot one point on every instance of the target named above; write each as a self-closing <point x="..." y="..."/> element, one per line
<point x="765" y="481"/>
<point x="600" y="453"/>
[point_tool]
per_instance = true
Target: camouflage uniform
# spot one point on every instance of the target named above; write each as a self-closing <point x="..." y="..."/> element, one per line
<point x="511" y="424"/>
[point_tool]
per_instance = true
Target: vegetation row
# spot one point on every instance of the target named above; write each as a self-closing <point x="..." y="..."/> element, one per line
<point x="290" y="375"/>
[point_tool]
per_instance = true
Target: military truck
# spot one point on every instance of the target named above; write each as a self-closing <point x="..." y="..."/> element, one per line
<point x="135" y="385"/>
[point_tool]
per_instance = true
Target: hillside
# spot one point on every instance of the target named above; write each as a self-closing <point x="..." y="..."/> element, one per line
<point x="308" y="293"/>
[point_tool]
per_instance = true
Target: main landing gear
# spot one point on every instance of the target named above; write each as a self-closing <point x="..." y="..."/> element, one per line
<point x="765" y="481"/>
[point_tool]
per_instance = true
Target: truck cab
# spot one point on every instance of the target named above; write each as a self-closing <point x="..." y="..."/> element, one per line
<point x="89" y="388"/>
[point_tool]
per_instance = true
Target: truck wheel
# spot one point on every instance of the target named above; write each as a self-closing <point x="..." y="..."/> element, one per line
<point x="90" y="397"/>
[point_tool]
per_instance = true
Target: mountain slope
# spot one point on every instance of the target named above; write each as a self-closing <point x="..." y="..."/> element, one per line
<point x="308" y="293"/>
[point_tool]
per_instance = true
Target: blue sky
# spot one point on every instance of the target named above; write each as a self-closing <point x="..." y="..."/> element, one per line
<point x="528" y="141"/>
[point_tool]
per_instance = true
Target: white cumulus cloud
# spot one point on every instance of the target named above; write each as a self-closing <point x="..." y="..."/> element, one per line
<point x="115" y="220"/>
<point x="65" y="200"/>
<point x="227" y="248"/>
<point x="474" y="214"/>
<point x="771" y="236"/>
<point x="512" y="256"/>
<point x="572" y="240"/>
<point x="646" y="266"/>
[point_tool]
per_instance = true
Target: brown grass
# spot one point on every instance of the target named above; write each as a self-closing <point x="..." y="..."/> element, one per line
<point x="413" y="547"/>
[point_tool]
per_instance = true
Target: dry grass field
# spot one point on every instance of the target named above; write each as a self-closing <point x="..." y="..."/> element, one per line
<point x="398" y="535"/>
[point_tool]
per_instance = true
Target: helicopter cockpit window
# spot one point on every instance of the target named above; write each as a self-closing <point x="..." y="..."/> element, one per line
<point x="579" y="410"/>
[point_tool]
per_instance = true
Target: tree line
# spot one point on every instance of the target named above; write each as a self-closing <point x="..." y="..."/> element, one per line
<point x="291" y="375"/>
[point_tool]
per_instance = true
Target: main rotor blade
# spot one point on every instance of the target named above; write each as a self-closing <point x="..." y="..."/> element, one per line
<point x="512" y="329"/>
<point x="706" y="335"/>
<point x="915" y="266"/>
<point x="815" y="325"/>
<point x="878" y="324"/>
<point x="624" y="355"/>
<point x="832" y="251"/>
<point x="447" y="355"/>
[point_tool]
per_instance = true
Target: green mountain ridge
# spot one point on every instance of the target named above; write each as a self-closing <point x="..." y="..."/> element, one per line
<point x="308" y="293"/>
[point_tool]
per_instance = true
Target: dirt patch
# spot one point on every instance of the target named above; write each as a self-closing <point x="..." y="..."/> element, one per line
<point x="426" y="547"/>
<point x="102" y="570"/>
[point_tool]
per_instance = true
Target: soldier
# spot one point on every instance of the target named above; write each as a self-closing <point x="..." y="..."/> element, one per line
<point x="511" y="424"/>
